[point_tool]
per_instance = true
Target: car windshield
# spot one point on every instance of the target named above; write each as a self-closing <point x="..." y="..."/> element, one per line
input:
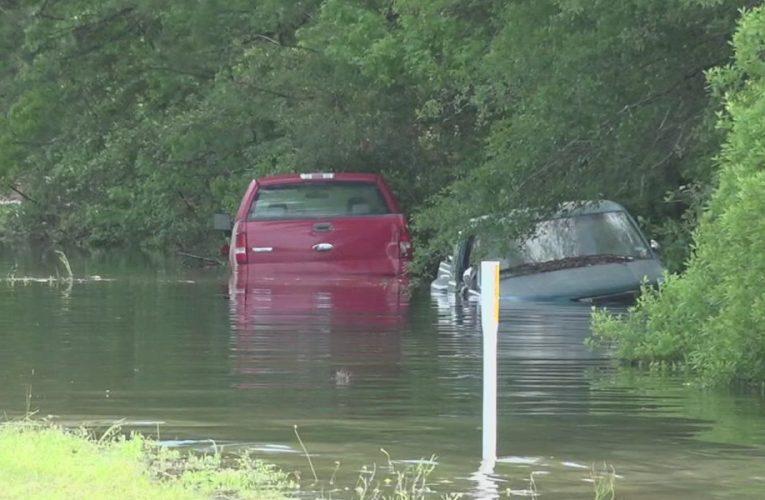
<point x="608" y="235"/>
<point x="318" y="199"/>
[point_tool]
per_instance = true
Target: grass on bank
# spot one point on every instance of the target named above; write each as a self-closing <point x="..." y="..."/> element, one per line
<point x="39" y="460"/>
<point x="42" y="461"/>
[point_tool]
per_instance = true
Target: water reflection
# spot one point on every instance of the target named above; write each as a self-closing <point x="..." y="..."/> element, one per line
<point x="281" y="323"/>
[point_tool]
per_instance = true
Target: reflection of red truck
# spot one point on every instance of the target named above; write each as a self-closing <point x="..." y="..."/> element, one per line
<point x="316" y="330"/>
<point x="344" y="223"/>
<point x="375" y="302"/>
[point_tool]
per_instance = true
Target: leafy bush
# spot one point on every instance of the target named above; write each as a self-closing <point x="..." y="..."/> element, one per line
<point x="712" y="317"/>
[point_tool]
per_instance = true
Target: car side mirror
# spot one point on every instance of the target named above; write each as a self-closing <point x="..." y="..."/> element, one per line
<point x="222" y="222"/>
<point x="655" y="246"/>
<point x="464" y="287"/>
<point x="468" y="277"/>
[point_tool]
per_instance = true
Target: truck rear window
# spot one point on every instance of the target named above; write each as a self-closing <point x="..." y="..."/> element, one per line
<point x="318" y="199"/>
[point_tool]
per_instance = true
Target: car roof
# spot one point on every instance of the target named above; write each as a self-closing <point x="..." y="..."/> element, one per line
<point x="339" y="176"/>
<point x="588" y="207"/>
<point x="571" y="208"/>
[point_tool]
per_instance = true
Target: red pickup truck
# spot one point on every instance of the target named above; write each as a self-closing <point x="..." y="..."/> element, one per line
<point x="324" y="223"/>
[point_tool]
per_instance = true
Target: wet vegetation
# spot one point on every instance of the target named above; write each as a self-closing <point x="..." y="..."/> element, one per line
<point x="45" y="461"/>
<point x="711" y="317"/>
<point x="39" y="460"/>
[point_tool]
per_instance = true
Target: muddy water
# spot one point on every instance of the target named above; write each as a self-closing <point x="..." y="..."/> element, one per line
<point x="179" y="354"/>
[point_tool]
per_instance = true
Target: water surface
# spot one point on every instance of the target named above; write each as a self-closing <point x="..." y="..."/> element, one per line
<point x="174" y="352"/>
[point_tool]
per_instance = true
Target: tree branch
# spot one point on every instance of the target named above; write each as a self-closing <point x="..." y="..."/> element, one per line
<point x="23" y="195"/>
<point x="203" y="75"/>
<point x="279" y="44"/>
<point x="40" y="12"/>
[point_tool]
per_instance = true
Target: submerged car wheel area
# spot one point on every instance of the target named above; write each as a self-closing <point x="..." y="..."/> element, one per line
<point x="592" y="252"/>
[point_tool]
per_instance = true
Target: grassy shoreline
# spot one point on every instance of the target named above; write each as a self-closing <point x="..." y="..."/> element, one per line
<point x="41" y="460"/>
<point x="44" y="461"/>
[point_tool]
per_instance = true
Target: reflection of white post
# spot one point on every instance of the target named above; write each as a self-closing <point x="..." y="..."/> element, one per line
<point x="489" y="325"/>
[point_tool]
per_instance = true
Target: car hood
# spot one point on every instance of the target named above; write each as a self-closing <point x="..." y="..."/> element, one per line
<point x="601" y="282"/>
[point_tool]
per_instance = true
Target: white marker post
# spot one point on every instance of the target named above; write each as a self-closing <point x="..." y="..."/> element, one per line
<point x="489" y="326"/>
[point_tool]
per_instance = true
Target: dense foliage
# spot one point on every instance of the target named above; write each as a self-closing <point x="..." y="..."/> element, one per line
<point x="712" y="318"/>
<point x="132" y="121"/>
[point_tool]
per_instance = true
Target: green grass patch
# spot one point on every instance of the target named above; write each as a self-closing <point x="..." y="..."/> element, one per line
<point x="42" y="461"/>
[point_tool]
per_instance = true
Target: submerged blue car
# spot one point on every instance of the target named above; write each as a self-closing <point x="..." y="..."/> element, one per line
<point x="592" y="252"/>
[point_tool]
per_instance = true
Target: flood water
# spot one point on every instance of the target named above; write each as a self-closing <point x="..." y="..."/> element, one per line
<point x="179" y="354"/>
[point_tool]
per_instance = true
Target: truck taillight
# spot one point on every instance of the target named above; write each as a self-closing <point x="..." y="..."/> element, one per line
<point x="240" y="246"/>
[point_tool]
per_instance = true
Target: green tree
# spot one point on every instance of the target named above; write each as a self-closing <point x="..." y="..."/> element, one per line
<point x="711" y="317"/>
<point x="589" y="99"/>
<point x="132" y="122"/>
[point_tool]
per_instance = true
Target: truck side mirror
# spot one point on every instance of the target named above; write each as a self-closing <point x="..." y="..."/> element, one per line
<point x="222" y="222"/>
